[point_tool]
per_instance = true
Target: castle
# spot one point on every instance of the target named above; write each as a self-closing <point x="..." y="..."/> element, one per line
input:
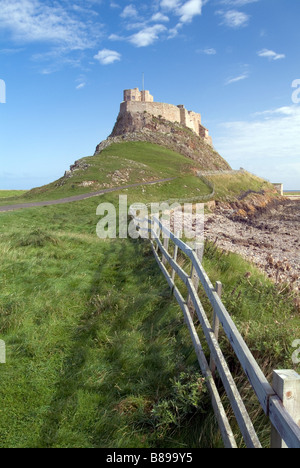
<point x="136" y="101"/>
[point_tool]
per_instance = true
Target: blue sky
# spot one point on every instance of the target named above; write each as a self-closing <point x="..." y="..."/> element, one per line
<point x="65" y="64"/>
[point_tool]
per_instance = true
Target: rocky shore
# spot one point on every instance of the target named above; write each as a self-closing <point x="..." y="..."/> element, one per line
<point x="269" y="237"/>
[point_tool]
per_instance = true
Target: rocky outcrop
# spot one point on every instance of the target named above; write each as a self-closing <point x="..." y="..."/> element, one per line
<point x="145" y="127"/>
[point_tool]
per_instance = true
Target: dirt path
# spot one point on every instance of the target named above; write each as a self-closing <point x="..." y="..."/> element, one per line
<point x="78" y="197"/>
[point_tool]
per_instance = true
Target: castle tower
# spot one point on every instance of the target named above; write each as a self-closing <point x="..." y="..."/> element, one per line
<point x="137" y="96"/>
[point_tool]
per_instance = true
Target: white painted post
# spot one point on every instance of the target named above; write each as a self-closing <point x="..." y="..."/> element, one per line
<point x="2" y="352"/>
<point x="175" y="255"/>
<point x="166" y="246"/>
<point x="286" y="384"/>
<point x="216" y="328"/>
<point x="199" y="253"/>
<point x="158" y="233"/>
<point x="194" y="277"/>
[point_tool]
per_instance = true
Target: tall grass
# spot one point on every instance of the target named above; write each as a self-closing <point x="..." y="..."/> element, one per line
<point x="97" y="354"/>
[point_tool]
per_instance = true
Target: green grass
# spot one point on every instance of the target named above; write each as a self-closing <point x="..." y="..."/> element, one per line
<point x="94" y="341"/>
<point x="296" y="192"/>
<point x="229" y="186"/>
<point x="264" y="312"/>
<point x="11" y="193"/>
<point x="98" y="354"/>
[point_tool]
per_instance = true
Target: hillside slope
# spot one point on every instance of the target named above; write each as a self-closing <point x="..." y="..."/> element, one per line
<point x="136" y="162"/>
<point x="178" y="138"/>
<point x="127" y="163"/>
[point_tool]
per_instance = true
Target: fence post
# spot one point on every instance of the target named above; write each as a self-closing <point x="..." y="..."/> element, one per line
<point x="194" y="277"/>
<point x="216" y="328"/>
<point x="2" y="352"/>
<point x="175" y="256"/>
<point x="158" y="233"/>
<point x="166" y="246"/>
<point x="286" y="384"/>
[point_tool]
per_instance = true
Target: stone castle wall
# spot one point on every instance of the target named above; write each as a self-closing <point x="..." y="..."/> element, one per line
<point x="136" y="101"/>
<point x="157" y="109"/>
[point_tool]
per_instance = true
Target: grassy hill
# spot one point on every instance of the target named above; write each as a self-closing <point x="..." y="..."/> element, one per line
<point x="126" y="163"/>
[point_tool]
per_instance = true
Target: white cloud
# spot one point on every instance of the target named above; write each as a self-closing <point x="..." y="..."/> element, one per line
<point x="169" y="4"/>
<point x="260" y="144"/>
<point x="185" y="10"/>
<point x="207" y="51"/>
<point x="173" y="32"/>
<point x="270" y="54"/>
<point x="116" y="37"/>
<point x="129" y="12"/>
<point x="114" y="5"/>
<point x="81" y="85"/>
<point x="107" y="57"/>
<point x="286" y="110"/>
<point x="190" y="9"/>
<point x="160" y="18"/>
<point x="33" y="20"/>
<point x="233" y="18"/>
<point x="147" y="36"/>
<point x="237" y="78"/>
<point x="146" y="33"/>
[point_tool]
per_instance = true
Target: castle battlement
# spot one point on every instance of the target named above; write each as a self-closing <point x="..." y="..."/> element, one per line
<point x="136" y="101"/>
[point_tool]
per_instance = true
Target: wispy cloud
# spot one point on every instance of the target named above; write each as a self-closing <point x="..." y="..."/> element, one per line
<point x="147" y="36"/>
<point x="189" y="10"/>
<point x="165" y="11"/>
<point x="270" y="54"/>
<point x="114" y="5"/>
<point x="238" y="3"/>
<point x="185" y="10"/>
<point x="273" y="133"/>
<point x="267" y="144"/>
<point x="280" y="111"/>
<point x="233" y="18"/>
<point x="207" y="51"/>
<point x="236" y="79"/>
<point x="107" y="56"/>
<point x="160" y="18"/>
<point x="37" y="21"/>
<point x="129" y="11"/>
<point x="11" y="51"/>
<point x="55" y="59"/>
<point x="242" y="75"/>
<point x="170" y="4"/>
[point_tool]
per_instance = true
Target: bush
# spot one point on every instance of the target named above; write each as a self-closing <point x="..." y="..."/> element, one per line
<point x="185" y="400"/>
